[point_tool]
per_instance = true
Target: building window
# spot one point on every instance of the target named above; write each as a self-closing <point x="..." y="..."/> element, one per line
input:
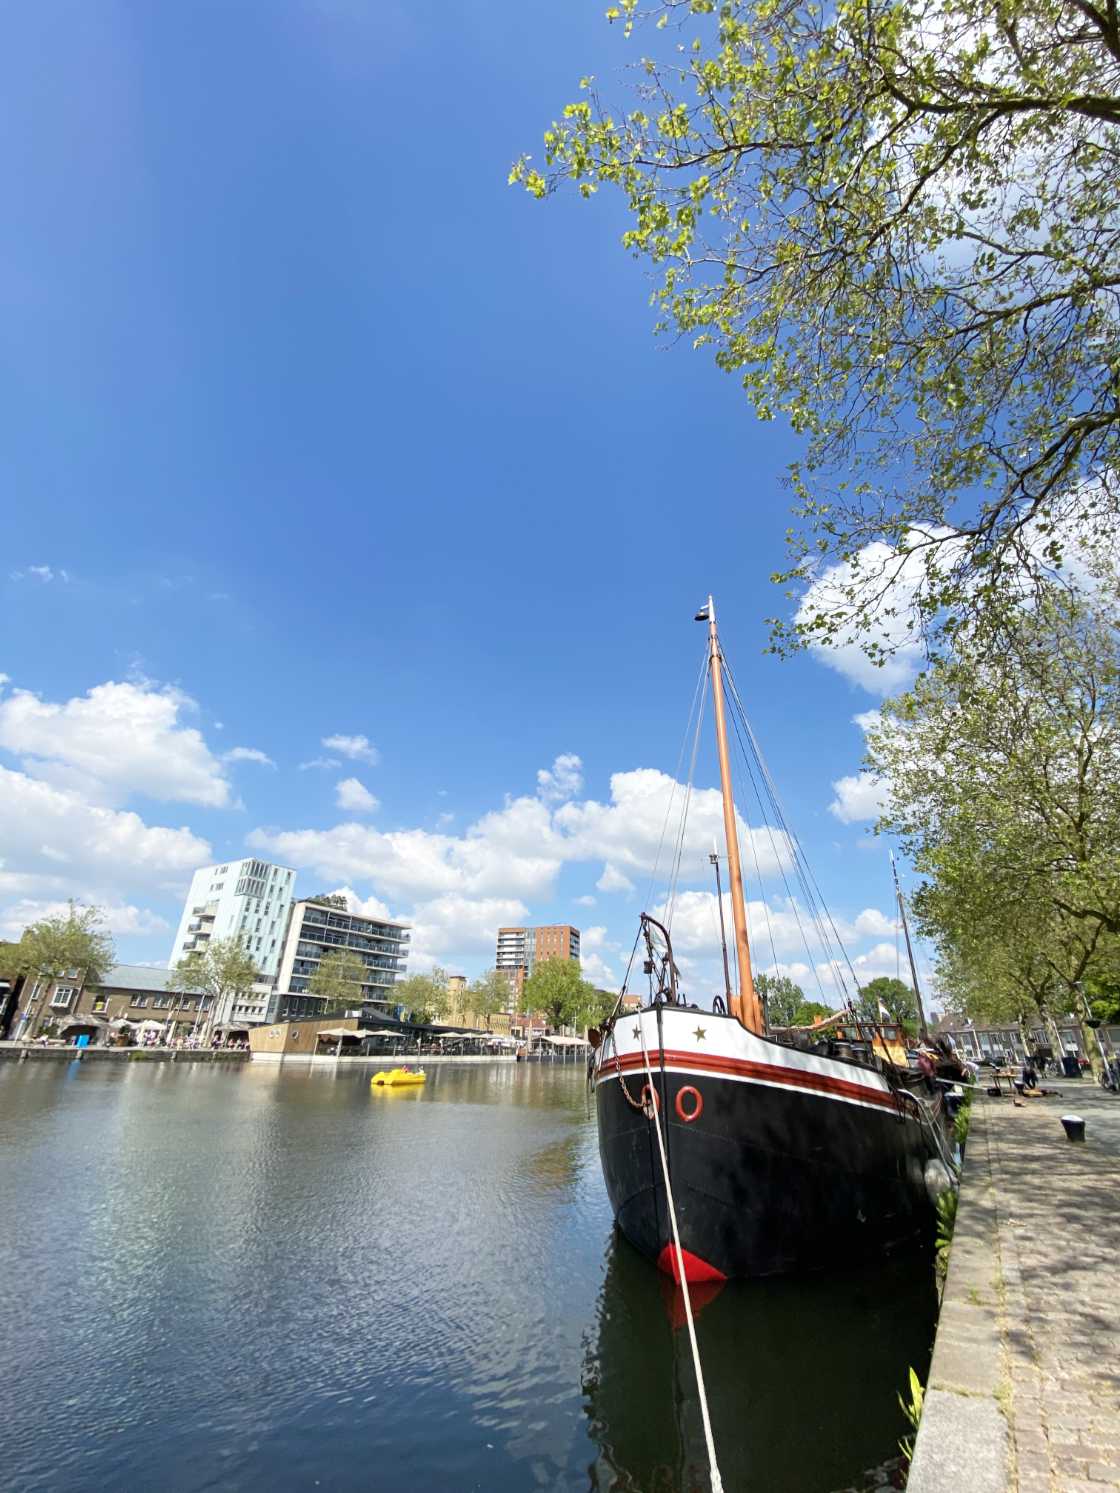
<point x="100" y="1002"/>
<point x="139" y="1000"/>
<point x="63" y="995"/>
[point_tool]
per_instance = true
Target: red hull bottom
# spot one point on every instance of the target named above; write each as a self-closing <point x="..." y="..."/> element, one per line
<point x="695" y="1269"/>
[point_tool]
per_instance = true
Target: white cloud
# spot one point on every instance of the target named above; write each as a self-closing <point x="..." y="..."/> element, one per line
<point x="323" y="762"/>
<point x="367" y="907"/>
<point x="561" y="781"/>
<point x="773" y="929"/>
<point x="118" y="740"/>
<point x="357" y="748"/>
<point x="248" y="754"/>
<point x="630" y="831"/>
<point x="461" y="927"/>
<point x="599" y="971"/>
<point x="585" y="901"/>
<point x="55" y="846"/>
<point x="354" y="797"/>
<point x="116" y="918"/>
<point x="871" y="923"/>
<point x="517" y="851"/>
<point x="612" y="880"/>
<point x="859" y="796"/>
<point x="873" y="568"/>
<point x="883" y="959"/>
<point x="43" y="573"/>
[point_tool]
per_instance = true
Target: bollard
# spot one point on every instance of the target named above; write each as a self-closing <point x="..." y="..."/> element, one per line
<point x="1074" y="1127"/>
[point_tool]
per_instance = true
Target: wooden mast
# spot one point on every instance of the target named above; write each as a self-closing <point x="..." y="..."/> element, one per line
<point x="746" y="1004"/>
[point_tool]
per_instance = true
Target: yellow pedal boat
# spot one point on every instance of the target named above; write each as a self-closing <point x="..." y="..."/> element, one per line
<point x="397" y="1077"/>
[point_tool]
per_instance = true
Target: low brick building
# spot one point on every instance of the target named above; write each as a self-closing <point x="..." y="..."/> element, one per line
<point x="130" y="996"/>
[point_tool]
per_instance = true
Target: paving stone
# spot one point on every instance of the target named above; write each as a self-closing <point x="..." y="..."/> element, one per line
<point x="1029" y="1303"/>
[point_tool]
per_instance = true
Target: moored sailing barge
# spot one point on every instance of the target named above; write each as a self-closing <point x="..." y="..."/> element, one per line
<point x="782" y="1154"/>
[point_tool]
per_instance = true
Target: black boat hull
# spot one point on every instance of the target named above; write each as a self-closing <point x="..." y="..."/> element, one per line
<point x="767" y="1177"/>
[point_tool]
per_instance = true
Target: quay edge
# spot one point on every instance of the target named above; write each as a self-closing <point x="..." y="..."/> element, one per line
<point x="963" y="1439"/>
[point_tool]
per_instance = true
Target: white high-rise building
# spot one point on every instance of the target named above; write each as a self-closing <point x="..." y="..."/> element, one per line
<point x="250" y="899"/>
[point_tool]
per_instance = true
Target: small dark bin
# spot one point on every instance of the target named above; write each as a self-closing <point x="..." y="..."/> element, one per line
<point x="1071" y="1068"/>
<point x="1074" y="1127"/>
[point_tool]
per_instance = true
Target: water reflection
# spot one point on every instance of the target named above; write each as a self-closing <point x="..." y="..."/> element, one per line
<point x="275" y="1278"/>
<point x="801" y="1376"/>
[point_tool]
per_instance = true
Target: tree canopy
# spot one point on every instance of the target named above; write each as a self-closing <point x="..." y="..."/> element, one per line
<point x="224" y="968"/>
<point x="425" y="997"/>
<point x="330" y="899"/>
<point x="557" y="990"/>
<point x="785" y="1002"/>
<point x="75" y="944"/>
<point x="339" y="978"/>
<point x="895" y="222"/>
<point x="895" y="997"/>
<point x="1001" y="771"/>
<point x="487" y="995"/>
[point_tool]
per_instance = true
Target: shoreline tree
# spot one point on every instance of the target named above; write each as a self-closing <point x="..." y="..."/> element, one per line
<point x="1001" y="768"/>
<point x="895" y="224"/>
<point x="219" y="973"/>
<point x="786" y="1003"/>
<point x="488" y="995"/>
<point x="895" y="997"/>
<point x="425" y="997"/>
<point x="339" y="978"/>
<point x="54" y="947"/>
<point x="557" y="990"/>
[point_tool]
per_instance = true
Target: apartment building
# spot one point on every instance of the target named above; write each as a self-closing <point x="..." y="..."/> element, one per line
<point x="318" y="927"/>
<point x="520" y="949"/>
<point x="249" y="899"/>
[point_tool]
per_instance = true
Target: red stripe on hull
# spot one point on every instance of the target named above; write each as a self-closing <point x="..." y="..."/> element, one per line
<point x="795" y="1078"/>
<point x="695" y="1269"/>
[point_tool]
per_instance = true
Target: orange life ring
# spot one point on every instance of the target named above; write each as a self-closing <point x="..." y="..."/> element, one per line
<point x="696" y="1111"/>
<point x="647" y="1095"/>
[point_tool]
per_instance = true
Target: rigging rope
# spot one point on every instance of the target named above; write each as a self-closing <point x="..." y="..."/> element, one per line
<point x="818" y="907"/>
<point x="671" y="895"/>
<point x="779" y="859"/>
<point x="697" y="694"/>
<point x="654" y="1117"/>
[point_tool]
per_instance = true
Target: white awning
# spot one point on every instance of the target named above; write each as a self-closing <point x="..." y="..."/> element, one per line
<point x="567" y="1041"/>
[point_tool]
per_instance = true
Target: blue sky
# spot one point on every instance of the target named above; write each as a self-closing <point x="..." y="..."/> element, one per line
<point x="315" y="428"/>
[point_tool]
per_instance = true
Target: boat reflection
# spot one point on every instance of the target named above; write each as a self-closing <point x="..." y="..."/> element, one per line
<point x="803" y="1376"/>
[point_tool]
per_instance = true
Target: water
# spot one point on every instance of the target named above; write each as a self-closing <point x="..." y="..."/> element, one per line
<point x="268" y="1278"/>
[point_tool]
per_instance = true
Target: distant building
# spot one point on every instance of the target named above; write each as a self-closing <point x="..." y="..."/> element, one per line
<point x="249" y="899"/>
<point x="461" y="1013"/>
<point x="317" y="928"/>
<point x="521" y="949"/>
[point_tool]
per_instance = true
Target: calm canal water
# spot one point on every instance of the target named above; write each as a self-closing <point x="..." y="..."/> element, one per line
<point x="266" y="1278"/>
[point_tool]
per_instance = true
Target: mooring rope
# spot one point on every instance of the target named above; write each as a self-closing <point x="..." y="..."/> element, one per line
<point x="653" y="1115"/>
